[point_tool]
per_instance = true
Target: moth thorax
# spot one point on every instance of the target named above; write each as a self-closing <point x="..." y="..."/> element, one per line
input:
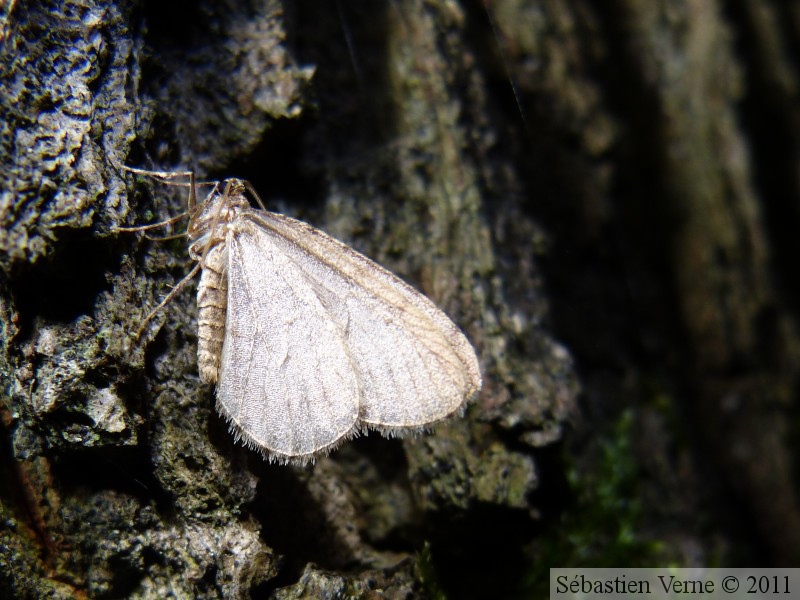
<point x="212" y="301"/>
<point x="210" y="224"/>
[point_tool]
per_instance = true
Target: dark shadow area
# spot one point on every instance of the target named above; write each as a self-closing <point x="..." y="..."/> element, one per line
<point x="179" y="25"/>
<point x="492" y="63"/>
<point x="385" y="454"/>
<point x="352" y="93"/>
<point x="553" y="496"/>
<point x="769" y="114"/>
<point x="297" y="527"/>
<point x="480" y="554"/>
<point x="374" y="462"/>
<point x="15" y="489"/>
<point x="294" y="525"/>
<point x="276" y="168"/>
<point x="65" y="285"/>
<point x="125" y="469"/>
<point x="126" y="580"/>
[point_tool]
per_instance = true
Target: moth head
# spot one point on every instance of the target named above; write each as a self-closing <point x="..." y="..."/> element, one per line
<point x="221" y="206"/>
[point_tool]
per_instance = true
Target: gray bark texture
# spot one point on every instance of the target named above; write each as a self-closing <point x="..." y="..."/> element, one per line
<point x="604" y="198"/>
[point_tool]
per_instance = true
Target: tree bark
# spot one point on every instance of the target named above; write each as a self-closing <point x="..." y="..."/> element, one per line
<point x="602" y="198"/>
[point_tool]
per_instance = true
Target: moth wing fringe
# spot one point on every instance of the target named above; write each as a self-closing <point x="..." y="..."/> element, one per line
<point x="403" y="431"/>
<point x="241" y="436"/>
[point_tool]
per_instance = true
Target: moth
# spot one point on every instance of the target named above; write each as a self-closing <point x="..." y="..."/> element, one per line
<point x="308" y="341"/>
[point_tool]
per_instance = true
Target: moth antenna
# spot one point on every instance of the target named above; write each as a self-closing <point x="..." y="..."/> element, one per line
<point x="192" y="192"/>
<point x="181" y="284"/>
<point x="249" y="187"/>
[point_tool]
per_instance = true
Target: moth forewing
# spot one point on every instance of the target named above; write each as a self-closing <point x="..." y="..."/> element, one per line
<point x="415" y="366"/>
<point x="286" y="380"/>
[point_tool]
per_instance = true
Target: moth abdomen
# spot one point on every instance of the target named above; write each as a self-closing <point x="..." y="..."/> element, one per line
<point x="212" y="301"/>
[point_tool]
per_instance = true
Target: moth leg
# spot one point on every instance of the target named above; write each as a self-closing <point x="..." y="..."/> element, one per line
<point x="166" y="178"/>
<point x="175" y="291"/>
<point x="170" y="221"/>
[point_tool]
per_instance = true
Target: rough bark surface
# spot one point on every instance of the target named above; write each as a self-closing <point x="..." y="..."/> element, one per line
<point x="610" y="188"/>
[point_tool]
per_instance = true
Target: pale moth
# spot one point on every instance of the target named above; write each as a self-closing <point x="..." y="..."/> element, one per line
<point x="308" y="341"/>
